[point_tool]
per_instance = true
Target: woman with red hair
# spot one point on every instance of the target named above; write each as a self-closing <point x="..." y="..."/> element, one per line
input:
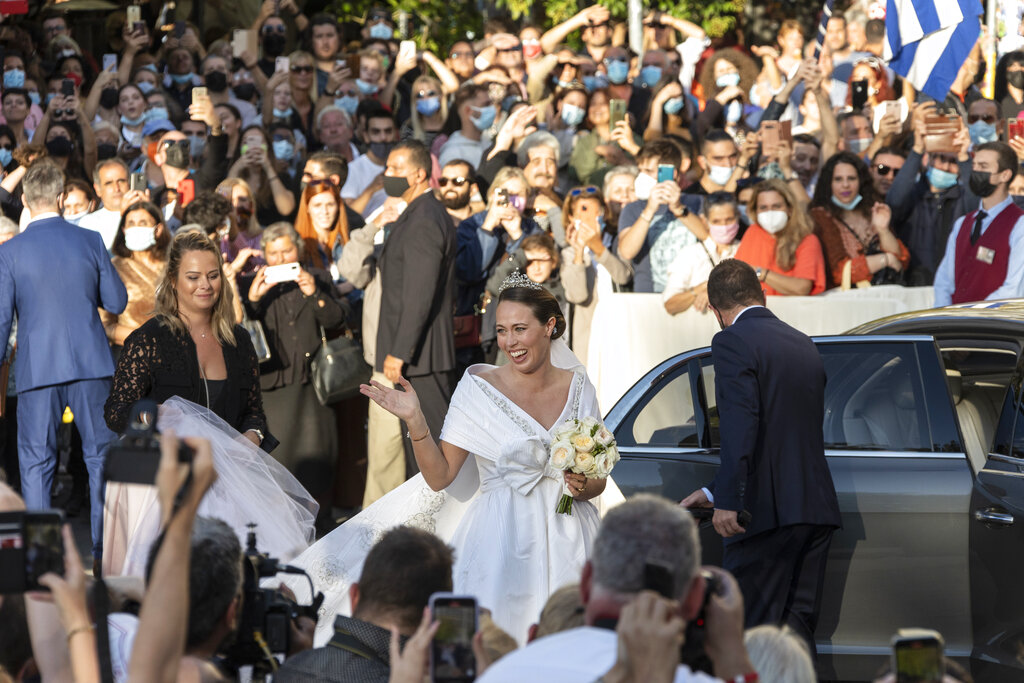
<point x="323" y="228"/>
<point x="872" y="71"/>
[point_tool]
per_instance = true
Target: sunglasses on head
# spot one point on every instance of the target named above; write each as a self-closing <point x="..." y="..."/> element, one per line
<point x="302" y="69"/>
<point x="987" y="118"/>
<point x="577" y="191"/>
<point x="457" y="182"/>
<point x="882" y="169"/>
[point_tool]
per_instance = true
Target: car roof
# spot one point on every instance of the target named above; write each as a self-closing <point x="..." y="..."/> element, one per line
<point x="986" y="319"/>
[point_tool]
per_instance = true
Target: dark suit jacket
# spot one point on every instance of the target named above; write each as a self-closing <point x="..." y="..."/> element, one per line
<point x="770" y="391"/>
<point x="55" y="276"/>
<point x="417" y="271"/>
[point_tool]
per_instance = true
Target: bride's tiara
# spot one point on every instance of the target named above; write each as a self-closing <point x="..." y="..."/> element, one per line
<point x="517" y="279"/>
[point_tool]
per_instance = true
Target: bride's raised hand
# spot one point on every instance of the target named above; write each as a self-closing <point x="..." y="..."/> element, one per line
<point x="402" y="404"/>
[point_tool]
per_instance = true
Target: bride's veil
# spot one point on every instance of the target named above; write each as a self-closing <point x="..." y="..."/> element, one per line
<point x="563" y="357"/>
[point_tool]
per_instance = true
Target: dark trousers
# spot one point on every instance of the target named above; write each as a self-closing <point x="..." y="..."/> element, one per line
<point x="9" y="442"/>
<point x="781" y="573"/>
<point x="435" y="393"/>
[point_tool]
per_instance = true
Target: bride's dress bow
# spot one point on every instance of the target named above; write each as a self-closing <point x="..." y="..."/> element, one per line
<point x="522" y="463"/>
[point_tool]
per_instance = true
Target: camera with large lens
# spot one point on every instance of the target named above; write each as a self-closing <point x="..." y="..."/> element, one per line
<point x="135" y="457"/>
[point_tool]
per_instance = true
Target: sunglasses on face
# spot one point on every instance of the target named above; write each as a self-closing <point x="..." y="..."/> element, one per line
<point x="273" y="29"/>
<point x="302" y="69"/>
<point x="456" y="182"/>
<point x="597" y="25"/>
<point x="882" y="169"/>
<point x="987" y="118"/>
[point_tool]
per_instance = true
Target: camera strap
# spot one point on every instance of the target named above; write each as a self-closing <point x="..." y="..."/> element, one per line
<point x="343" y="640"/>
<point x="101" y="604"/>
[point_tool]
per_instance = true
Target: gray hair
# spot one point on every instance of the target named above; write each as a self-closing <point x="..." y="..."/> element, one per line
<point x="330" y="108"/>
<point x="779" y="654"/>
<point x="8" y="226"/>
<point x="43" y="184"/>
<point x="540" y="137"/>
<point x="645" y="529"/>
<point x="112" y="161"/>
<point x="215" y="576"/>
<point x="614" y="172"/>
<point x="276" y="231"/>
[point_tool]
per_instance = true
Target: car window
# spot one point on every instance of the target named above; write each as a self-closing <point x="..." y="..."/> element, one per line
<point x="664" y="416"/>
<point x="977" y="377"/>
<point x="1017" y="449"/>
<point x="707" y="376"/>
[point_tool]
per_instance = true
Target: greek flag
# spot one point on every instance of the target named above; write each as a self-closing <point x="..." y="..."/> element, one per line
<point x="927" y="41"/>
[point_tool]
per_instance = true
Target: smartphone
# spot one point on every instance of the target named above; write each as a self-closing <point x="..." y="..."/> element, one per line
<point x="67" y="87"/>
<point x="666" y="172"/>
<point x="860" y="94"/>
<point x="110" y="62"/>
<point x="1014" y="128"/>
<point x="135" y="457"/>
<point x="917" y="656"/>
<point x="186" y="191"/>
<point x="179" y="29"/>
<point x="407" y="47"/>
<point x="137" y="181"/>
<point x="451" y="652"/>
<point x="133" y="15"/>
<point x="286" y="272"/>
<point x="243" y="40"/>
<point x="30" y="546"/>
<point x="940" y="131"/>
<point x="281" y="65"/>
<point x="616" y="111"/>
<point x="199" y="92"/>
<point x="501" y="195"/>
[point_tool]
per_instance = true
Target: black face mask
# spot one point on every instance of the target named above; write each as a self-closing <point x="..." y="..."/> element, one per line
<point x="108" y="98"/>
<point x="273" y="44"/>
<point x="216" y="81"/>
<point x="981" y="183"/>
<point x="395" y="186"/>
<point x="1015" y="78"/>
<point x="60" y="147"/>
<point x="245" y="91"/>
<point x="177" y="154"/>
<point x="381" y="150"/>
<point x="106" y="150"/>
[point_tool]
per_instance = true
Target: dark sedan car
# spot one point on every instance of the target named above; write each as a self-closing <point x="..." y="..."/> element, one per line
<point x="924" y="433"/>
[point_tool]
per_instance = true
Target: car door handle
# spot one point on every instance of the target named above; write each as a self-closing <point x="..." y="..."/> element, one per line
<point x="994" y="516"/>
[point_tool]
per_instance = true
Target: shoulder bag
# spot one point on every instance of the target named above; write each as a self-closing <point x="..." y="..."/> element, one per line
<point x="338" y="369"/>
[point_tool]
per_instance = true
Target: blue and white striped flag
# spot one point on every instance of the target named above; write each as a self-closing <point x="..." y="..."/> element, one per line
<point x="927" y="41"/>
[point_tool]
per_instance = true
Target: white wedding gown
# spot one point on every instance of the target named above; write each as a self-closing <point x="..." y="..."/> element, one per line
<point x="251" y="487"/>
<point x="512" y="550"/>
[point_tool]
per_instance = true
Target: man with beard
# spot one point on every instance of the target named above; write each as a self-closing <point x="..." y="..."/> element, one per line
<point x="214" y="70"/>
<point x="457" y="187"/>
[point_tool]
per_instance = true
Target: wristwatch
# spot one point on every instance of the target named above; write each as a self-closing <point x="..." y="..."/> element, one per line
<point x="762" y="273"/>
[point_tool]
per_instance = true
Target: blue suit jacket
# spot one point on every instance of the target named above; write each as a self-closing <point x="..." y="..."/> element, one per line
<point x="770" y="391"/>
<point x="54" y="276"/>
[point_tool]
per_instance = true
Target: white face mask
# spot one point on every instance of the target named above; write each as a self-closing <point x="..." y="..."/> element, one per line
<point x="772" y="221"/>
<point x="643" y="186"/>
<point x="720" y="174"/>
<point x="139" y="238"/>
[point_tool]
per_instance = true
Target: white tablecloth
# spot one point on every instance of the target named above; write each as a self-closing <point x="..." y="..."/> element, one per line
<point x="631" y="333"/>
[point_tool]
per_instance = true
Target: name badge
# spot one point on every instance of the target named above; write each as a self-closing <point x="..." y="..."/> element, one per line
<point x="986" y="255"/>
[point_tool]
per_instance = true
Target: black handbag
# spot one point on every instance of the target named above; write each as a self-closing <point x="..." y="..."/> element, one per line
<point x="338" y="369"/>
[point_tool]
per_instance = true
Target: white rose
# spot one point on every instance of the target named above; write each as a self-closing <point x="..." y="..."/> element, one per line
<point x="584" y="462"/>
<point x="602" y="466"/>
<point x="583" y="442"/>
<point x="565" y="430"/>
<point x="587" y="424"/>
<point x="613" y="456"/>
<point x="562" y="455"/>
<point x="603" y="436"/>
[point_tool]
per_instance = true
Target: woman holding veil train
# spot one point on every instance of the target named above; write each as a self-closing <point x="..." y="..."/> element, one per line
<point x="486" y="486"/>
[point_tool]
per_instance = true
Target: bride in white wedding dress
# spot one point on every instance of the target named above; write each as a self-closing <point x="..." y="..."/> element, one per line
<point x="486" y="487"/>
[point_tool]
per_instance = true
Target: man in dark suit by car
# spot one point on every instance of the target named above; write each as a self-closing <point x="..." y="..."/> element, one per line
<point x="415" y="337"/>
<point x="769" y="388"/>
<point x="54" y="276"/>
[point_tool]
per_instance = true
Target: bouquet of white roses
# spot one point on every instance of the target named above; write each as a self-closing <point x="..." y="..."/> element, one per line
<point x="583" y="447"/>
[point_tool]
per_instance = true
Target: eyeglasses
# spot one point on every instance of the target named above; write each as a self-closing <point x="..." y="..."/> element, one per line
<point x="304" y="69"/>
<point x="882" y="169"/>
<point x="426" y="93"/>
<point x="273" y="29"/>
<point x="608" y="60"/>
<point x="987" y="118"/>
<point x="577" y="191"/>
<point x="465" y="54"/>
<point x="457" y="182"/>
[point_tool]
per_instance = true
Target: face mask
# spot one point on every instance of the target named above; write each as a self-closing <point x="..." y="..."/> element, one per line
<point x="282" y="113"/>
<point x="125" y="121"/>
<point x="5" y="157"/>
<point x="216" y="81"/>
<point x="484" y="118"/>
<point x="531" y="49"/>
<point x="196" y="145"/>
<point x="182" y="79"/>
<point x="284" y="150"/>
<point x="245" y="91"/>
<point x="104" y="150"/>
<point x="348" y="104"/>
<point x="642" y="185"/>
<point x="108" y="98"/>
<point x="381" y="150"/>
<point x="727" y="80"/>
<point x="15" y="78"/>
<point x="49" y="98"/>
<point x="743" y="213"/>
<point x="941" y="180"/>
<point x="720" y="175"/>
<point x="858" y="145"/>
<point x="146" y="87"/>
<point x="428" y="106"/>
<point x="673" y="106"/>
<point x="59" y="147"/>
<point x="724" y="234"/>
<point x="139" y="238"/>
<point x="74" y="217"/>
<point x="734" y="111"/>
<point x="618" y="71"/>
<point x="848" y="206"/>
<point x="177" y="154"/>
<point x="395" y="186"/>
<point x="572" y="115"/>
<point x="273" y="44"/>
<point x="982" y="132"/>
<point x="34" y="96"/>
<point x="382" y="32"/>
<point x="366" y="88"/>
<point x="650" y="75"/>
<point x="157" y="114"/>
<point x="562" y="84"/>
<point x="981" y="183"/>
<point x="772" y="221"/>
<point x="595" y="82"/>
<point x="1015" y="78"/>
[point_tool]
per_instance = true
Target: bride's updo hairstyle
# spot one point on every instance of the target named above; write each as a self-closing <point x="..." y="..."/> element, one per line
<point x="539" y="300"/>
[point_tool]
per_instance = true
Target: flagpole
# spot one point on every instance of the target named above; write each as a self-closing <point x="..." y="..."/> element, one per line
<point x="826" y="14"/>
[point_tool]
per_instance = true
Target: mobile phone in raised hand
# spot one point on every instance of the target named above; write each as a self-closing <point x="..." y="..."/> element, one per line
<point x="917" y="656"/>
<point x="451" y="652"/>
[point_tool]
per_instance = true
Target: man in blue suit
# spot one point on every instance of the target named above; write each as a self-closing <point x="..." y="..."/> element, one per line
<point x="770" y="392"/>
<point x="54" y="276"/>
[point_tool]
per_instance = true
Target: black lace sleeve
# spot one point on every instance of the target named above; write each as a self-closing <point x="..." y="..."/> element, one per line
<point x="253" y="416"/>
<point x="133" y="378"/>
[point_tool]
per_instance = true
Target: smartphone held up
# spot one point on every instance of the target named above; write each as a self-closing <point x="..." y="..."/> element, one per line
<point x="451" y="652"/>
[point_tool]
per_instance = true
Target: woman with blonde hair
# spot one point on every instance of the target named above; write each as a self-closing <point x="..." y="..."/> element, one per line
<point x="322" y="226"/>
<point x="780" y="245"/>
<point x="429" y="111"/>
